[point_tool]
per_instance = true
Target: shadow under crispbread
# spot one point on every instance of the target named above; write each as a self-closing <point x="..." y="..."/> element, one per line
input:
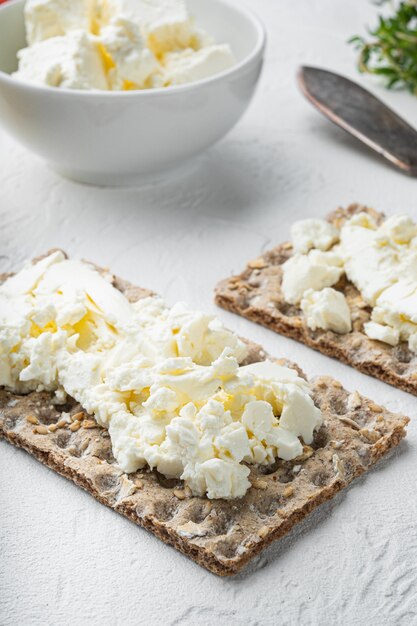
<point x="257" y="295"/>
<point x="220" y="535"/>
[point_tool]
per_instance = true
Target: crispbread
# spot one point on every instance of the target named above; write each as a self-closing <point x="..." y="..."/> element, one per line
<point x="220" y="535"/>
<point x="257" y="295"/>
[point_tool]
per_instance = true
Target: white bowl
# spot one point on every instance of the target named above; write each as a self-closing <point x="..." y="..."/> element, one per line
<point x="116" y="138"/>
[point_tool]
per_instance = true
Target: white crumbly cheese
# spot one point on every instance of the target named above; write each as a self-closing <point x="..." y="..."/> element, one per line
<point x="165" y="23"/>
<point x="369" y="266"/>
<point x="165" y="382"/>
<point x="326" y="309"/>
<point x="397" y="306"/>
<point x="380" y="260"/>
<point x="314" y="270"/>
<point x="313" y="233"/>
<point x="188" y="66"/>
<point x="72" y="61"/>
<point x="398" y="229"/>
<point x="382" y="333"/>
<point x="382" y="263"/>
<point x="53" y="18"/>
<point x="127" y="44"/>
<point x="131" y="63"/>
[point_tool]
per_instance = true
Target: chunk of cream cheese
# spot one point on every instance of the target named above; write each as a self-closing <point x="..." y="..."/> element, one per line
<point x="130" y="63"/>
<point x="313" y="233"/>
<point x="326" y="309"/>
<point x="165" y="382"/>
<point x="72" y="61"/>
<point x="54" y="18"/>
<point x="314" y="270"/>
<point x="380" y="260"/>
<point x="166" y="24"/>
<point x="386" y="334"/>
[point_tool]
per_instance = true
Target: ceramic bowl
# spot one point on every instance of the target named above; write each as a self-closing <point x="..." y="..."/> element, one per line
<point x="118" y="138"/>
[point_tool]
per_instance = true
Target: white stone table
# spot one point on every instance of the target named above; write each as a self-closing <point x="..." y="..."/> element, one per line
<point x="64" y="558"/>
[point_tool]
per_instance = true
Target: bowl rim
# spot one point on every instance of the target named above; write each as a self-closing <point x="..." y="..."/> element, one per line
<point x="257" y="51"/>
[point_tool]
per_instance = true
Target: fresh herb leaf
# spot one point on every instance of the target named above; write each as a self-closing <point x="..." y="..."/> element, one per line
<point x="392" y="50"/>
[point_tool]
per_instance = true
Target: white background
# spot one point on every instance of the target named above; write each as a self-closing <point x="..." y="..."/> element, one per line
<point x="65" y="559"/>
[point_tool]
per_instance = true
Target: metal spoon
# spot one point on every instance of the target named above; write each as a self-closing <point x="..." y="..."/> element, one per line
<point x="361" y="114"/>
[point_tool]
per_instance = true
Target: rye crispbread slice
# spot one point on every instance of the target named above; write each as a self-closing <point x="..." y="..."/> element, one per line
<point x="220" y="535"/>
<point x="257" y="295"/>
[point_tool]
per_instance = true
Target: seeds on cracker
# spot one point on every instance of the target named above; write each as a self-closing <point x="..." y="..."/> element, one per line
<point x="179" y="493"/>
<point x="84" y="445"/>
<point x="288" y="491"/>
<point x="349" y="422"/>
<point x="370" y="435"/>
<point x="89" y="424"/>
<point x="257" y="264"/>
<point x="375" y="408"/>
<point x="259" y="483"/>
<point x="41" y="430"/>
<point x="77" y="417"/>
<point x="32" y="419"/>
<point x="74" y="426"/>
<point x="263" y="531"/>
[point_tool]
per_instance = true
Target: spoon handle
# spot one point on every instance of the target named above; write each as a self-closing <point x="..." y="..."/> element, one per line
<point x="361" y="114"/>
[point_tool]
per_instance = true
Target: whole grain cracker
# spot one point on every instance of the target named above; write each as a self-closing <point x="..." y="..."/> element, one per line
<point x="220" y="535"/>
<point x="261" y="300"/>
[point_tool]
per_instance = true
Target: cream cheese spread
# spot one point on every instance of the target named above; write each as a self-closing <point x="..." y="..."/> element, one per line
<point x="116" y="45"/>
<point x="380" y="260"/>
<point x="165" y="382"/>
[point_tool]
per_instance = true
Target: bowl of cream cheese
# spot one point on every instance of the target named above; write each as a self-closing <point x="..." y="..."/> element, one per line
<point x="115" y="92"/>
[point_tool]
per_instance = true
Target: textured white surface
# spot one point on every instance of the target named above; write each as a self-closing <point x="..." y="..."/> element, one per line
<point x="65" y="559"/>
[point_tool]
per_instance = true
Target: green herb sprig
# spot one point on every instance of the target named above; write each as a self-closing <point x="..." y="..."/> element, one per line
<point x="392" y="52"/>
